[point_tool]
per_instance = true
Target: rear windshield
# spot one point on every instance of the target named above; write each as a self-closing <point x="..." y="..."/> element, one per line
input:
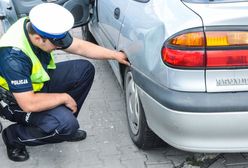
<point x="214" y="1"/>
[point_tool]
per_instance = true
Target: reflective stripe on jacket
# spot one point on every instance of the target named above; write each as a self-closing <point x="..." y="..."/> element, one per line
<point x="15" y="37"/>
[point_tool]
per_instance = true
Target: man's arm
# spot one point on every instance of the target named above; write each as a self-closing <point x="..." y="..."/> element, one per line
<point x="36" y="102"/>
<point x="91" y="50"/>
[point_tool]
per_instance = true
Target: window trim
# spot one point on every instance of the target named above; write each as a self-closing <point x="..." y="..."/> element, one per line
<point x="213" y="1"/>
<point x="142" y="1"/>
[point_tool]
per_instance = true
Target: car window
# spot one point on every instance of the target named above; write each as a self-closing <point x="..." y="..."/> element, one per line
<point x="142" y="0"/>
<point x="213" y="1"/>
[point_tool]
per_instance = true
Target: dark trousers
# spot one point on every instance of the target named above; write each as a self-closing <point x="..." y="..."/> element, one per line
<point x="58" y="124"/>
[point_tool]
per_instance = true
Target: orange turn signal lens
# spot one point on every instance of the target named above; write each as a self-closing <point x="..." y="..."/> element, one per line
<point x="213" y="39"/>
<point x="227" y="38"/>
<point x="194" y="39"/>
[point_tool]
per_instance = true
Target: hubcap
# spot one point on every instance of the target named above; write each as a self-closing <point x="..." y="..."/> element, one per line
<point x="133" y="104"/>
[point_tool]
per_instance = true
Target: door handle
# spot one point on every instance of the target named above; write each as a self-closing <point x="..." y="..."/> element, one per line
<point x="117" y="13"/>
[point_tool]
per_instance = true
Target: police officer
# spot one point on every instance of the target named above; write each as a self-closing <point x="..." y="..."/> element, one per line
<point x="48" y="95"/>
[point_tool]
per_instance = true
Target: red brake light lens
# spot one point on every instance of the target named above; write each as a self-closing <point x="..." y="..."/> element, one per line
<point x="227" y="58"/>
<point x="183" y="58"/>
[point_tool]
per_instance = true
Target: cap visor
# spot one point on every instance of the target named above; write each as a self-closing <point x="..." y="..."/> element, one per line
<point x="64" y="42"/>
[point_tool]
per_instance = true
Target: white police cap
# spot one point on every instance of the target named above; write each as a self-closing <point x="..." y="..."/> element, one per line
<point x="52" y="21"/>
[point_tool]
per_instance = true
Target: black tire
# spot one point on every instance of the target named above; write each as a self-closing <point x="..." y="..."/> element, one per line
<point x="87" y="34"/>
<point x="140" y="133"/>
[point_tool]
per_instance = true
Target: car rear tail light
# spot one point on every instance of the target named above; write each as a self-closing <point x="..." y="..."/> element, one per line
<point x="212" y="49"/>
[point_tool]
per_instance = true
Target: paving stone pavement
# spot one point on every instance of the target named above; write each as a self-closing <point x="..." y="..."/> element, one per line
<point x="108" y="144"/>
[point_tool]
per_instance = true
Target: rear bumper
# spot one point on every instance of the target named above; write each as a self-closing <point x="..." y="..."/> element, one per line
<point x="197" y="132"/>
<point x="198" y="122"/>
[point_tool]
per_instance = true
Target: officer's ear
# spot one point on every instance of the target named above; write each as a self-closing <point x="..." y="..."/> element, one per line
<point x="38" y="39"/>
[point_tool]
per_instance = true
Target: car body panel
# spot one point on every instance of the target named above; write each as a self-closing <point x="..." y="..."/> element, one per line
<point x="9" y="16"/>
<point x="198" y="102"/>
<point x="143" y="36"/>
<point x="214" y="14"/>
<point x="107" y="27"/>
<point x="227" y="80"/>
<point x="198" y="132"/>
<point x="230" y="15"/>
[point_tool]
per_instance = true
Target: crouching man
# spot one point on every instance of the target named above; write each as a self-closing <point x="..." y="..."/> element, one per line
<point x="48" y="95"/>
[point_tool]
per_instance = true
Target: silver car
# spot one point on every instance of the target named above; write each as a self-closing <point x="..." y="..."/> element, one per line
<point x="188" y="82"/>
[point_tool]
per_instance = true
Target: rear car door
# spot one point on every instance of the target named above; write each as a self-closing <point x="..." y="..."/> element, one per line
<point x="110" y="18"/>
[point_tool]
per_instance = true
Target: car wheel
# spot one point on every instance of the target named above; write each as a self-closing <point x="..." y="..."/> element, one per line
<point x="140" y="133"/>
<point x="87" y="34"/>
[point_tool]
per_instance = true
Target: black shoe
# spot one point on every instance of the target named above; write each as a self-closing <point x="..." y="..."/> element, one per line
<point x="15" y="154"/>
<point x="78" y="136"/>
